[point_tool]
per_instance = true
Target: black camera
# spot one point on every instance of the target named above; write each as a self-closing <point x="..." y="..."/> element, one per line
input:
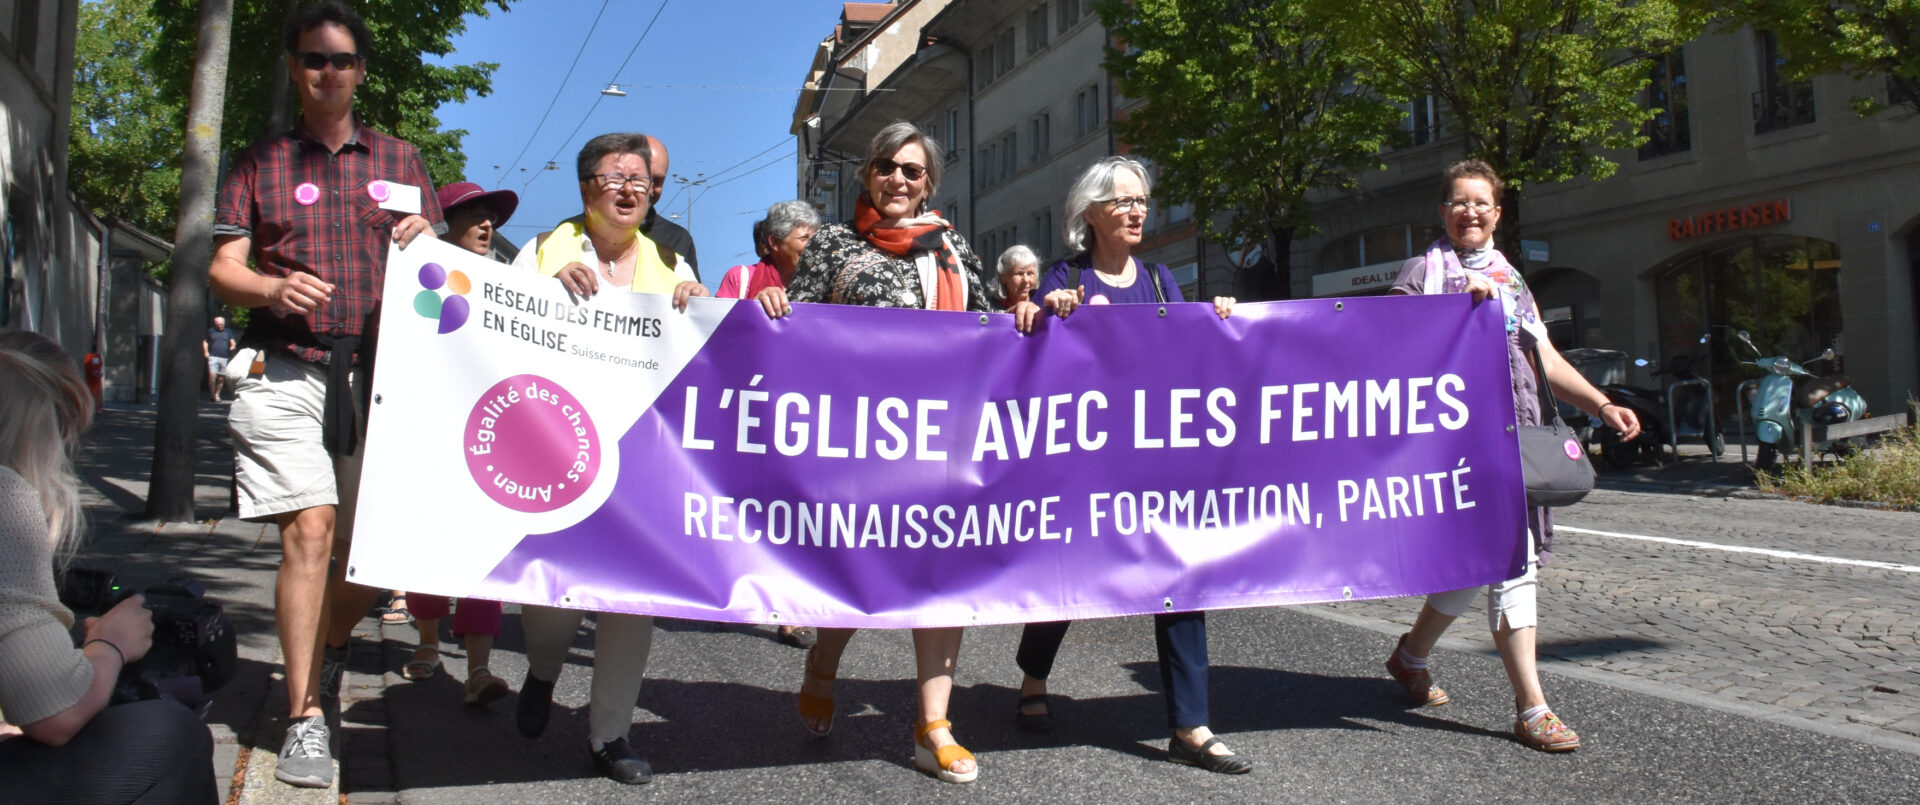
<point x="194" y="649"/>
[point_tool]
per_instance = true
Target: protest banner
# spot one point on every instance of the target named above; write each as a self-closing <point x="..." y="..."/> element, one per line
<point x="903" y="468"/>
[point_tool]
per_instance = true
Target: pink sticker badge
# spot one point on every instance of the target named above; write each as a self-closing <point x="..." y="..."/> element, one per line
<point x="307" y="194"/>
<point x="1573" y="449"/>
<point x="530" y="444"/>
<point x="377" y="190"/>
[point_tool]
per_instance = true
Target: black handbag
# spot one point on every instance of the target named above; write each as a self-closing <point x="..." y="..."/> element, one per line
<point x="1552" y="459"/>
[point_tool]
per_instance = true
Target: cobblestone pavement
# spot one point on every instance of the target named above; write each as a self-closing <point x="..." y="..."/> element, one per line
<point x="1827" y="642"/>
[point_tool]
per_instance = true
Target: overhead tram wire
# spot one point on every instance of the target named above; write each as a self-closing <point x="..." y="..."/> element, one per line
<point x="556" y="94"/>
<point x="596" y="101"/>
<point x="724" y="171"/>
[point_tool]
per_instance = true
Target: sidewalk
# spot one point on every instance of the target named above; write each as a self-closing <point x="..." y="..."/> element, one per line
<point x="237" y="562"/>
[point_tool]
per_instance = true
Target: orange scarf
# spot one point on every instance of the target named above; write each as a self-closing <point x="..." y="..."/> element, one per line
<point x="909" y="237"/>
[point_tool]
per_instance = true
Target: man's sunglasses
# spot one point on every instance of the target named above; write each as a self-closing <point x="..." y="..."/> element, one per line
<point x="314" y="60"/>
<point x="886" y="167"/>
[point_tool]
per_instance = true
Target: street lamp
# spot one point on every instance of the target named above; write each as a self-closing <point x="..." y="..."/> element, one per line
<point x="614" y="91"/>
<point x="686" y="186"/>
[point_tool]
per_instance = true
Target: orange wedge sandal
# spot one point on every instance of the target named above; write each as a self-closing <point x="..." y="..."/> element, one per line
<point x="816" y="707"/>
<point x="939" y="762"/>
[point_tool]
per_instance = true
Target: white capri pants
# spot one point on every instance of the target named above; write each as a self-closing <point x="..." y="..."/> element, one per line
<point x="1514" y="599"/>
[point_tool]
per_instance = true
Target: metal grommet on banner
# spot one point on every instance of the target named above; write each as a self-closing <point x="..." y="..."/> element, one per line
<point x="1346" y="593"/>
<point x="1509" y="428"/>
<point x="350" y="570"/>
<point x="1339" y="306"/>
<point x="1163" y="312"/>
<point x="376" y="399"/>
<point x="773" y="616"/>
<point x="566" y="599"/>
<point x="983" y="319"/>
<point x="1168" y="604"/>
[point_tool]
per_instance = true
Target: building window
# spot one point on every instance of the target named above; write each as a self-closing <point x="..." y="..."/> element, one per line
<point x="1066" y="14"/>
<point x="1039" y="136"/>
<point x="1086" y="7"/>
<point x="983" y="174"/>
<point x="1009" y="153"/>
<point x="1422" y="121"/>
<point x="1005" y="48"/>
<point x="1392" y="244"/>
<point x="1779" y="103"/>
<point x="1086" y="111"/>
<point x="983" y="63"/>
<point x="953" y="134"/>
<point x="1043" y="235"/>
<point x="1667" y="132"/>
<point x="1037" y="29"/>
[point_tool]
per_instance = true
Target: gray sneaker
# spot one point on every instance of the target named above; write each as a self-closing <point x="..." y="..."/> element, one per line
<point x="305" y="759"/>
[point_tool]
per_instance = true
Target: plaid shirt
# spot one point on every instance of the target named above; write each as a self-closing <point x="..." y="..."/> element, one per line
<point x="341" y="238"/>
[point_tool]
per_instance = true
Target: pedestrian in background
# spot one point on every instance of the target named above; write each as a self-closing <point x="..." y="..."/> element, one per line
<point x="1106" y="216"/>
<point x="1465" y="261"/>
<point x="1019" y="274"/>
<point x="660" y="230"/>
<point x="301" y="233"/>
<point x="60" y="742"/>
<point x="217" y="347"/>
<point x="897" y="253"/>
<point x="778" y="239"/>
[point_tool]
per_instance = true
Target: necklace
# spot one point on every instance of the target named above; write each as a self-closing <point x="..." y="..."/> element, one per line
<point x="633" y="249"/>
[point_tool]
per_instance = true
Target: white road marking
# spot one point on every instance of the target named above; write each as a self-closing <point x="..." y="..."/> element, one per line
<point x="1806" y="557"/>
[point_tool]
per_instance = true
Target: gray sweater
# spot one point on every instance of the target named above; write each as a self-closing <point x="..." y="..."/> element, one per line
<point x="41" y="673"/>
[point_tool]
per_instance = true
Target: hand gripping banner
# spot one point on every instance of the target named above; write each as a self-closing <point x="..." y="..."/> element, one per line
<point x="901" y="468"/>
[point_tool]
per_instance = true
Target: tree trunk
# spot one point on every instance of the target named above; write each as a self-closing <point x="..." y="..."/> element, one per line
<point x="281" y="93"/>
<point x="1281" y="253"/>
<point x="1507" y="235"/>
<point x="170" y="495"/>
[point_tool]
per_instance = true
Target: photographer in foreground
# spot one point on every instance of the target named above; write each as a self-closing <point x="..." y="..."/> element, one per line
<point x="59" y="741"/>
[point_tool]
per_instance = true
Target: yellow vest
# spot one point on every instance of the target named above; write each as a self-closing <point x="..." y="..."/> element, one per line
<point x="568" y="243"/>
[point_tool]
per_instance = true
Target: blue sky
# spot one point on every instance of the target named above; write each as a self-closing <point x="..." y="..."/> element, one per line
<point x="714" y="79"/>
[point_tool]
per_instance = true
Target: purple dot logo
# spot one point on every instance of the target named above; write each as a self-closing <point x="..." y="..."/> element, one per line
<point x="452" y="310"/>
<point x="531" y="445"/>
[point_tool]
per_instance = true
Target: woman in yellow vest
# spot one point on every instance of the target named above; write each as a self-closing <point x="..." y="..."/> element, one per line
<point x="600" y="249"/>
<point x="603" y="246"/>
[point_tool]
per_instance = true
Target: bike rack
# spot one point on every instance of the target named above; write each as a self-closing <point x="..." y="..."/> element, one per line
<point x="1673" y="419"/>
<point x="1740" y="413"/>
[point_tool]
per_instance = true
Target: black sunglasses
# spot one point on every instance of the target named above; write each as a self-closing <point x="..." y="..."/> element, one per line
<point x="314" y="60"/>
<point x="886" y="167"/>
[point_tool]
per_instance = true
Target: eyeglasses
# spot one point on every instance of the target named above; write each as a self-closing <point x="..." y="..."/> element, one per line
<point x="1457" y="207"/>
<point x="314" y="60"/>
<point x="617" y="182"/>
<point x="1130" y="203"/>
<point x="886" y="167"/>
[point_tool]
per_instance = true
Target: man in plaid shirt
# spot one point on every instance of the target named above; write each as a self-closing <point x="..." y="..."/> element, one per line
<point x="314" y="209"/>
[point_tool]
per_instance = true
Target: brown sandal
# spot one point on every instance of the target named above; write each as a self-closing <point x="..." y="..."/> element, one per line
<point x="939" y="762"/>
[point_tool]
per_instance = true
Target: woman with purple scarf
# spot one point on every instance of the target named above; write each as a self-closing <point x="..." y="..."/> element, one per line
<point x="1466" y="262"/>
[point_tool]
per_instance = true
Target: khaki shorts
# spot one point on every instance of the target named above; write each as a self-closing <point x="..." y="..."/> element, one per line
<point x="280" y="462"/>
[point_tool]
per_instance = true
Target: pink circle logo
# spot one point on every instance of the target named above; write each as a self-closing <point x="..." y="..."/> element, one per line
<point x="307" y="194"/>
<point x="531" y="445"/>
<point x="377" y="190"/>
<point x="1573" y="449"/>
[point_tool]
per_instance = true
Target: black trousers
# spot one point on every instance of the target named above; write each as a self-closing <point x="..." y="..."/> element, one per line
<point x="151" y="753"/>
<point x="1182" y="640"/>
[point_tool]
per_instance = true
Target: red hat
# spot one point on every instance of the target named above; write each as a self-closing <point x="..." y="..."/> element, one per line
<point x="502" y="202"/>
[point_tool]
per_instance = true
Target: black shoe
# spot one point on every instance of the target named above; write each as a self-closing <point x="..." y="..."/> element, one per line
<point x="800" y="637"/>
<point x="617" y="762"/>
<point x="1039" y="723"/>
<point x="1179" y="752"/>
<point x="535" y="706"/>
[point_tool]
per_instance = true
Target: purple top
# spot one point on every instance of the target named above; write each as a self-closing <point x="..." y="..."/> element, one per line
<point x="1526" y="390"/>
<point x="1140" y="292"/>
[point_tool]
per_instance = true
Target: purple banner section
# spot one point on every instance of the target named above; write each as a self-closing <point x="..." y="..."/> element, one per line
<point x="894" y="468"/>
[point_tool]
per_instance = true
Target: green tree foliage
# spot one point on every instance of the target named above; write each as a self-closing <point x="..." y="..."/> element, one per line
<point x="1861" y="40"/>
<point x="124" y="140"/>
<point x="1249" y="106"/>
<point x="403" y="87"/>
<point x="1540" y="89"/>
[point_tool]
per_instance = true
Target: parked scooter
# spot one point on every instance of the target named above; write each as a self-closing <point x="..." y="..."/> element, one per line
<point x="1650" y="406"/>
<point x="1778" y="407"/>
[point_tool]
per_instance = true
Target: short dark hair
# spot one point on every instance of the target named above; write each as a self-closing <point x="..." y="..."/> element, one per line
<point x="627" y="142"/>
<point x="760" y="246"/>
<point x="1470" y="169"/>
<point x="329" y="11"/>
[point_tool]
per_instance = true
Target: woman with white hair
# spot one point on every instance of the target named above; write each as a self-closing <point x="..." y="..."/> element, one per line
<point x="1106" y="211"/>
<point x="59" y="739"/>
<point x="778" y="239"/>
<point x="1019" y="274"/>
